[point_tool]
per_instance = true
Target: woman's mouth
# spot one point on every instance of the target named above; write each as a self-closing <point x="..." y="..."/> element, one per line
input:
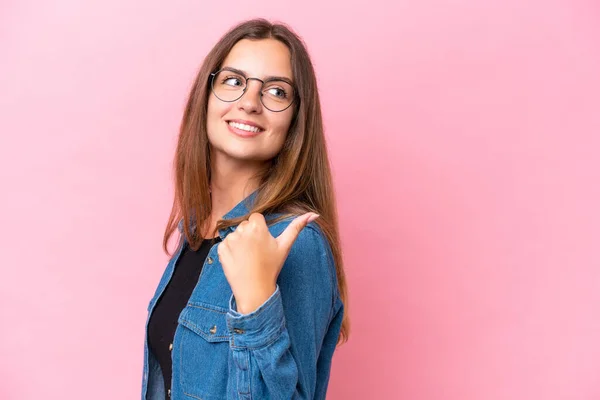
<point x="244" y="130"/>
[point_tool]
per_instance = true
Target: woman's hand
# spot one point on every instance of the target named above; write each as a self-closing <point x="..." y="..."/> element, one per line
<point x="252" y="258"/>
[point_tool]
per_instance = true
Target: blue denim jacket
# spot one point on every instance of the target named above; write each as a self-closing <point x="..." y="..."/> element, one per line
<point x="282" y="350"/>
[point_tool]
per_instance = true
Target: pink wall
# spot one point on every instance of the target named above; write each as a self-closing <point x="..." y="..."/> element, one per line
<point x="463" y="137"/>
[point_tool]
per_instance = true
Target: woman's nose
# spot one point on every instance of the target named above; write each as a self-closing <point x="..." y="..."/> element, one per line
<point x="250" y="100"/>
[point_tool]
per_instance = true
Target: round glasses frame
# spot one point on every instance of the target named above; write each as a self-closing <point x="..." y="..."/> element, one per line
<point x="212" y="88"/>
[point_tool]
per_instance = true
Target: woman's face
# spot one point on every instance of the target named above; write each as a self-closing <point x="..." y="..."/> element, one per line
<point x="257" y="59"/>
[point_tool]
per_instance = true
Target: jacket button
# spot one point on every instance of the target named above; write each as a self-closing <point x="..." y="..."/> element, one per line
<point x="170" y="346"/>
<point x="209" y="260"/>
<point x="239" y="331"/>
<point x="213" y="330"/>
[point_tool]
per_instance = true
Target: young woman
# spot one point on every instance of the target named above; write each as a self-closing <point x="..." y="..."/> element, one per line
<point x="251" y="304"/>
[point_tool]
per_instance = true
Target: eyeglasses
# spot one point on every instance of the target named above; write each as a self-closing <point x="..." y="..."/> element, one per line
<point x="229" y="85"/>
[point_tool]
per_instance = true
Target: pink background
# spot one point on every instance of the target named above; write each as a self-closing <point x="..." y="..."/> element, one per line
<point x="463" y="137"/>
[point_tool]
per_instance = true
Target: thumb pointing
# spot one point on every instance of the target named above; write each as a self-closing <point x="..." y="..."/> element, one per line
<point x="290" y="234"/>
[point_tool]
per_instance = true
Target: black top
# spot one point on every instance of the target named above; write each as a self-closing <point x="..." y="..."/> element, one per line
<point x="163" y="321"/>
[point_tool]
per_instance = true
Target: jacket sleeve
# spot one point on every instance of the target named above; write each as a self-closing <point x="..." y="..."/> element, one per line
<point x="275" y="350"/>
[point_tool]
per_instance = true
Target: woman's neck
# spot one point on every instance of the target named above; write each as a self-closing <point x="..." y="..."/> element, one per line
<point x="232" y="180"/>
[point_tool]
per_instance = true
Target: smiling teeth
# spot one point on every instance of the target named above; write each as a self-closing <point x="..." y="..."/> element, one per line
<point x="244" y="127"/>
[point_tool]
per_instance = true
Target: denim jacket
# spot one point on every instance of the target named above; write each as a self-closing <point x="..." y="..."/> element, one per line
<point x="282" y="350"/>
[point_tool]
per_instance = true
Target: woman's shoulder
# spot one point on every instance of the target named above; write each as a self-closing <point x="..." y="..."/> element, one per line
<point x="310" y="237"/>
<point x="311" y="253"/>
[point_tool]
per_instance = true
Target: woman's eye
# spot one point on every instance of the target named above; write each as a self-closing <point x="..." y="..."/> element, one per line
<point x="233" y="81"/>
<point x="277" y="92"/>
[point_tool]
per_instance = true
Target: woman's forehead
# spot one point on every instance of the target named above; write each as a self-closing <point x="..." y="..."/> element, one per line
<point x="260" y="58"/>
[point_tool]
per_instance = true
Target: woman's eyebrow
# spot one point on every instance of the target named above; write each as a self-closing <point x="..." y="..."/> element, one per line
<point x="267" y="78"/>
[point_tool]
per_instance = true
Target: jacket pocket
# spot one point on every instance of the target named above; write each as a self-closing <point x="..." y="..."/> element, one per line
<point x="203" y="351"/>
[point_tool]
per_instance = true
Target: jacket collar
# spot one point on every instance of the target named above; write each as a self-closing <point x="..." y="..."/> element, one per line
<point x="242" y="208"/>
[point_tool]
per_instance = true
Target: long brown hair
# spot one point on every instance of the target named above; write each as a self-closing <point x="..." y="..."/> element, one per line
<point x="299" y="178"/>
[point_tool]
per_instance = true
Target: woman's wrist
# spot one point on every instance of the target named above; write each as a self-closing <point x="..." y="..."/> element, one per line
<point x="254" y="300"/>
